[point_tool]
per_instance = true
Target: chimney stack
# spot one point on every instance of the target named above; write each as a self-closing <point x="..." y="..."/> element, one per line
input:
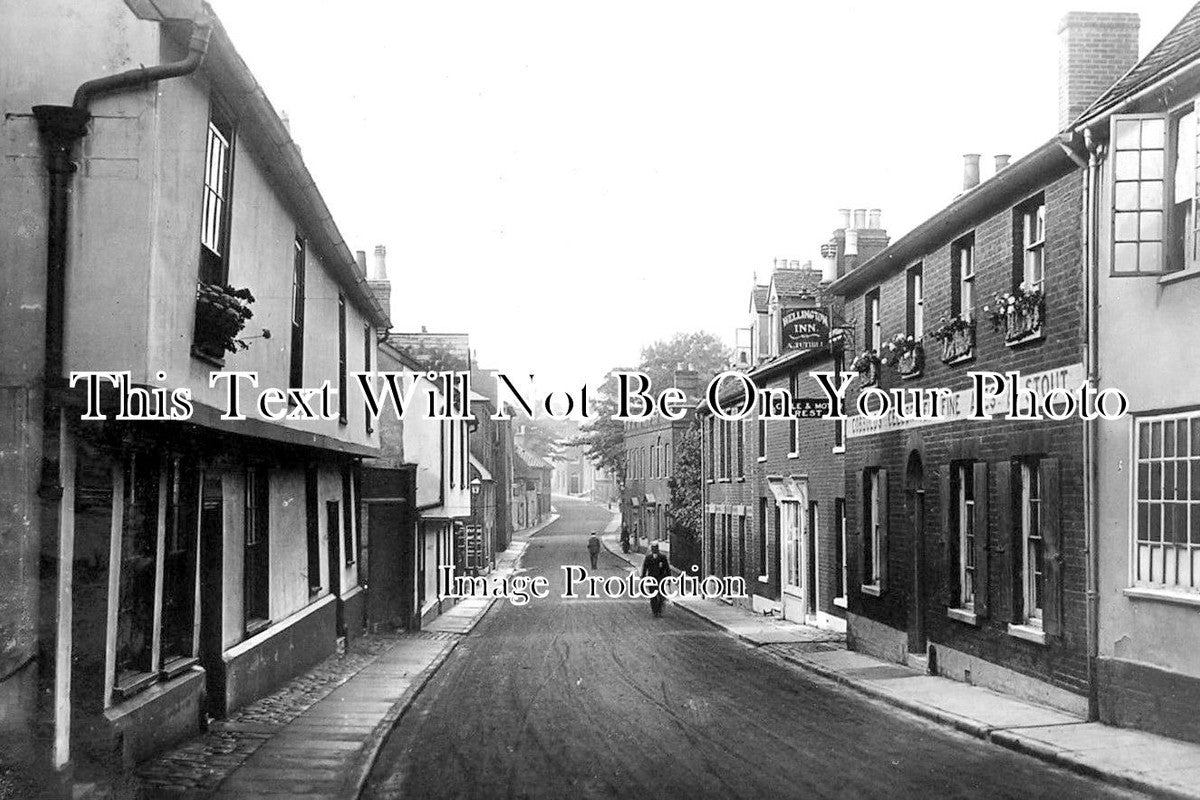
<point x="1095" y="48"/>
<point x="360" y="258"/>
<point x="378" y="281"/>
<point x="1002" y="161"/>
<point x="970" y="171"/>
<point x="687" y="379"/>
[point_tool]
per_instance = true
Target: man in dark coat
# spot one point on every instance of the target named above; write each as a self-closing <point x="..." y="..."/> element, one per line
<point x="656" y="566"/>
<point x="594" y="548"/>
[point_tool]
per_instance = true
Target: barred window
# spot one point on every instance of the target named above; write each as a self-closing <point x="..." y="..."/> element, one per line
<point x="1167" y="494"/>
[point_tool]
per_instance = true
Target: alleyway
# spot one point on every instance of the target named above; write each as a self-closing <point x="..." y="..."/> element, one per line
<point x="598" y="699"/>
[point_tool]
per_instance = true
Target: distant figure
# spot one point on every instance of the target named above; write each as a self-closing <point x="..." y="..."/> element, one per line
<point x="624" y="538"/>
<point x="594" y="548"/>
<point x="656" y="566"/>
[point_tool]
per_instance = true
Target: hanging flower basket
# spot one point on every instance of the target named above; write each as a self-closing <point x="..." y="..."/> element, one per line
<point x="1020" y="314"/>
<point x="866" y="364"/>
<point x="957" y="336"/>
<point x="221" y="314"/>
<point x="904" y="354"/>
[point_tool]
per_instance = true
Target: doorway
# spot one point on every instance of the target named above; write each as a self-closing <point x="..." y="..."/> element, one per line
<point x="793" y="558"/>
<point x="914" y="501"/>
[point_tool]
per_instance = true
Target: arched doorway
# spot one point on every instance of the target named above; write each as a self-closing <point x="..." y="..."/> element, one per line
<point x="914" y="503"/>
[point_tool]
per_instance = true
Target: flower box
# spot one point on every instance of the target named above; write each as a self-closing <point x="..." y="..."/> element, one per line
<point x="1020" y="314"/>
<point x="959" y="344"/>
<point x="866" y="364"/>
<point x="221" y="314"/>
<point x="904" y="354"/>
<point x="1022" y="324"/>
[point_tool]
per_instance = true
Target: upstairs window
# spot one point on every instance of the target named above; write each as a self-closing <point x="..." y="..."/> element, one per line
<point x="915" y="316"/>
<point x="218" y="173"/>
<point x="1154" y="192"/>
<point x="1031" y="261"/>
<point x="343" y="395"/>
<point x="962" y="291"/>
<point x="873" y="331"/>
<point x="296" y="370"/>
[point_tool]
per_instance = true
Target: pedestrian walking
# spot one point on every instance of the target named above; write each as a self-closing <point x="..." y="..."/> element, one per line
<point x="594" y="548"/>
<point x="656" y="566"/>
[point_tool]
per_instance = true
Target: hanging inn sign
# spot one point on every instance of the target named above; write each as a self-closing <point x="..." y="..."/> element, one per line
<point x="804" y="329"/>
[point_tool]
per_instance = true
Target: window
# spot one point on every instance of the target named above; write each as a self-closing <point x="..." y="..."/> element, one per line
<point x="139" y="558"/>
<point x="915" y="308"/>
<point x="1154" y="192"/>
<point x="723" y="472"/>
<point x="965" y="503"/>
<point x="348" y="543"/>
<point x="741" y="448"/>
<point x="712" y="434"/>
<point x="312" y="529"/>
<point x="762" y="438"/>
<point x="1032" y="262"/>
<point x="256" y="567"/>
<point x="762" y="537"/>
<point x="179" y="561"/>
<point x="839" y="543"/>
<point x="451" y="455"/>
<point x="962" y="291"/>
<point x="839" y="425"/>
<point x="296" y="371"/>
<point x="1033" y="569"/>
<point x="668" y="458"/>
<point x="741" y="548"/>
<point x="343" y="395"/>
<point x="873" y="331"/>
<point x="712" y="544"/>
<point x="793" y="423"/>
<point x="874" y="529"/>
<point x="218" y="174"/>
<point x="1166" y="536"/>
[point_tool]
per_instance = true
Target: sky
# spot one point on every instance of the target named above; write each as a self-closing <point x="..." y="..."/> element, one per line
<point x="568" y="182"/>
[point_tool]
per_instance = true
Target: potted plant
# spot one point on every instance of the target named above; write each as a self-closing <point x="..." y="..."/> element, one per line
<point x="221" y="314"/>
<point x="904" y="354"/>
<point x="866" y="364"/>
<point x="1019" y="313"/>
<point x="957" y="336"/>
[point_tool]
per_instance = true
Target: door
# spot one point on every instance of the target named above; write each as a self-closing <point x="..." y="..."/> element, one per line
<point x="333" y="527"/>
<point x="793" y="524"/>
<point x="914" y="497"/>
<point x="211" y="591"/>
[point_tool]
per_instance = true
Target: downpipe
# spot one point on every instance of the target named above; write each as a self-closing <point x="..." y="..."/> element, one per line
<point x="1090" y="465"/>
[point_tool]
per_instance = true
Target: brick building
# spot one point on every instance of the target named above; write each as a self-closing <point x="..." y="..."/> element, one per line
<point x="967" y="540"/>
<point x="651" y="447"/>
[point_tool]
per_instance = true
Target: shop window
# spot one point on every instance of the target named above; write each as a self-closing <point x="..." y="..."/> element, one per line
<point x="1166" y="497"/>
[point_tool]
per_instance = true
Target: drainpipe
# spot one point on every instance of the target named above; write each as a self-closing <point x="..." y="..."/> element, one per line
<point x="1090" y="464"/>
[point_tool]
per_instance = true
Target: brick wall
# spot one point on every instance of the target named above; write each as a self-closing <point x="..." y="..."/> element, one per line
<point x="1061" y="661"/>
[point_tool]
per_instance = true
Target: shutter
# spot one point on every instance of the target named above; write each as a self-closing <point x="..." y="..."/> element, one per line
<point x="1051" y="525"/>
<point x="981" y="539"/>
<point x="1005" y="548"/>
<point x="950" y="591"/>
<point x="884" y="510"/>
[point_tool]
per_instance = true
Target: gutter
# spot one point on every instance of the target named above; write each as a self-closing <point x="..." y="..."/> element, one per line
<point x="1090" y="462"/>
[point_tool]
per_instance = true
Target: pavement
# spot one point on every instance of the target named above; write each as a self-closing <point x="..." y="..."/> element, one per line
<point x="317" y="736"/>
<point x="1127" y="758"/>
<point x="594" y="697"/>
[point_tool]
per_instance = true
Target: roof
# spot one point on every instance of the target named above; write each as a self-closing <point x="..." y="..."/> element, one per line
<point x="1176" y="49"/>
<point x="530" y="460"/>
<point x="758" y="298"/>
<point x="273" y="146"/>
<point x="796" y="282"/>
<point x="1014" y="183"/>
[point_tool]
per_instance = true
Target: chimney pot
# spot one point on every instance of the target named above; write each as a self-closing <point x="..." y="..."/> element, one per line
<point x="379" y="273"/>
<point x="860" y="218"/>
<point x="360" y="258"/>
<point x="970" y="171"/>
<point x="1002" y="161"/>
<point x="852" y="242"/>
<point x="874" y="221"/>
<point x="845" y="215"/>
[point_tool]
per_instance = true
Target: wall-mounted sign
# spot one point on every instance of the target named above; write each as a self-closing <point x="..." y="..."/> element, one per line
<point x="804" y="329"/>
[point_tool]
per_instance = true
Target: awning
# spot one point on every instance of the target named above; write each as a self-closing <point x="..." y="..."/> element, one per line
<point x="787" y="489"/>
<point x="650" y="499"/>
<point x="441" y="513"/>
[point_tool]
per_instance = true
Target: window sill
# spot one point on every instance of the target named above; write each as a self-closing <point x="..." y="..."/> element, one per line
<point x="177" y="666"/>
<point x="722" y="480"/>
<point x="1027" y="338"/>
<point x="764" y="578"/>
<point x="873" y="590"/>
<point x="254" y="626"/>
<point x="1176" y="277"/>
<point x="761" y="459"/>
<point x="840" y="602"/>
<point x="740" y="480"/>
<point x="793" y="455"/>
<point x="1027" y="632"/>
<point x="964" y="358"/>
<point x="211" y="360"/>
<point x="1163" y="596"/>
<point x="908" y="376"/>
<point x="132" y="683"/>
<point x="839" y="449"/>
<point x="964" y="615"/>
